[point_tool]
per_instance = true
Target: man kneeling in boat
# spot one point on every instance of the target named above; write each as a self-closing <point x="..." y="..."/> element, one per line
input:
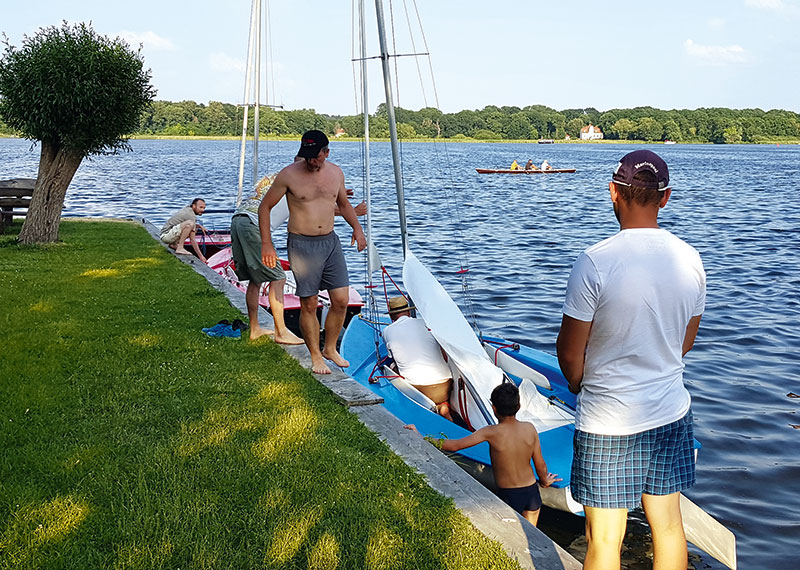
<point x="418" y="356"/>
<point x="182" y="225"/>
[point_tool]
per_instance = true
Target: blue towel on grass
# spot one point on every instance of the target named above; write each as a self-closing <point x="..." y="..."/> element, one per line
<point x="224" y="330"/>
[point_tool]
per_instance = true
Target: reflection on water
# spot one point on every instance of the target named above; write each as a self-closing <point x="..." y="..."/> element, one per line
<point x="738" y="205"/>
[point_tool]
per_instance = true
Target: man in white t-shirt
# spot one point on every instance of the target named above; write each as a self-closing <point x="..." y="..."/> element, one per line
<point x="632" y="309"/>
<point x="418" y="356"/>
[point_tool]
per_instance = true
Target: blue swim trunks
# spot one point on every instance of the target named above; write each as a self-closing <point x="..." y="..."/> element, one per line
<point x="613" y="471"/>
<point x="522" y="498"/>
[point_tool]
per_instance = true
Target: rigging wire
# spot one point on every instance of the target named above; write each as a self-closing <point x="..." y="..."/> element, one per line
<point x="443" y="163"/>
<point x="440" y="147"/>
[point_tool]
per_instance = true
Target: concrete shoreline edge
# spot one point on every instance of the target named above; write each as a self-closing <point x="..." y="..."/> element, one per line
<point x="522" y="541"/>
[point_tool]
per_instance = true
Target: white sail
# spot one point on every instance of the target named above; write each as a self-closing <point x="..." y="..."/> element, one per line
<point x="456" y="337"/>
<point x="452" y="332"/>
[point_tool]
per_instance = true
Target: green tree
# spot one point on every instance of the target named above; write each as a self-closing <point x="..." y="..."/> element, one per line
<point x="648" y="129"/>
<point x="485" y="135"/>
<point x="406" y="131"/>
<point x="623" y="129"/>
<point x="78" y="94"/>
<point x="732" y="134"/>
<point x="574" y="127"/>
<point x="517" y="126"/>
<point x="672" y="131"/>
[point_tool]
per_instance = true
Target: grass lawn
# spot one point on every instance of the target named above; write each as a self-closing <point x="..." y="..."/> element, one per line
<point x="129" y="439"/>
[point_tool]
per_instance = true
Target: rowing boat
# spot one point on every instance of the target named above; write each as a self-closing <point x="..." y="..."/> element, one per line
<point x="523" y="171"/>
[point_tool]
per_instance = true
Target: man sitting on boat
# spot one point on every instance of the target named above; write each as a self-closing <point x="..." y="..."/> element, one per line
<point x="530" y="165"/>
<point x="546" y="166"/>
<point x="182" y="225"/>
<point x="418" y="356"/>
<point x="246" y="251"/>
<point x="514" y="166"/>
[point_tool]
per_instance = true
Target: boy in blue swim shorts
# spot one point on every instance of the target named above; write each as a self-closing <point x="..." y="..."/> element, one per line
<point x="512" y="446"/>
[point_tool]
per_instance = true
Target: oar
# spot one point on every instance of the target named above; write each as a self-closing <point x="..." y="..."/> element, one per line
<point x="708" y="534"/>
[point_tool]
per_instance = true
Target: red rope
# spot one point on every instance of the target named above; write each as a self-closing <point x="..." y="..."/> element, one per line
<point x="462" y="403"/>
<point x="498" y="348"/>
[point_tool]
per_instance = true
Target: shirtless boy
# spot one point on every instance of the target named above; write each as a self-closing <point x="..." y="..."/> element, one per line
<point x="512" y="445"/>
<point x="313" y="188"/>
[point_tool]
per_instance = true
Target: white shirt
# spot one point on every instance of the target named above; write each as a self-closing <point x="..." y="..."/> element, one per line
<point x="417" y="354"/>
<point x="639" y="288"/>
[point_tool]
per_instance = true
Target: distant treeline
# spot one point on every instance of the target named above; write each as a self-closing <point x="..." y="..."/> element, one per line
<point x="716" y="125"/>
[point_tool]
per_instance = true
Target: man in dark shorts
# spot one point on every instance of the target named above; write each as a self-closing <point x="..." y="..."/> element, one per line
<point x="512" y="445"/>
<point x="632" y="310"/>
<point x="313" y="188"/>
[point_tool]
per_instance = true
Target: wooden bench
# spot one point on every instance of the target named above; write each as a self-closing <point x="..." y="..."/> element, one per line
<point x="15" y="199"/>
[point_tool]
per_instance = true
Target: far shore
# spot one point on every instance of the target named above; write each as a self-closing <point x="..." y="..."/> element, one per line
<point x="462" y="139"/>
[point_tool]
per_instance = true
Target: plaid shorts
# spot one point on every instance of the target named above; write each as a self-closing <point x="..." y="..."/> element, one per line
<point x="612" y="471"/>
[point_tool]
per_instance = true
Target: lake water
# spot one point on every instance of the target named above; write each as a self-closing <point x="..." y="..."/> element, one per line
<point x="519" y="235"/>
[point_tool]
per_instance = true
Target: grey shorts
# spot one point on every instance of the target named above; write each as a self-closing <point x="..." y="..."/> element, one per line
<point x="317" y="263"/>
<point x="246" y="249"/>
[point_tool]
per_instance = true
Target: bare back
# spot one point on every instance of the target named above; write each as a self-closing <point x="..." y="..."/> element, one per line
<point x="312" y="196"/>
<point x="512" y="444"/>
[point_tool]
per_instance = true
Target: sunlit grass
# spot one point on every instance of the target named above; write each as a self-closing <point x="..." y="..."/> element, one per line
<point x="131" y="440"/>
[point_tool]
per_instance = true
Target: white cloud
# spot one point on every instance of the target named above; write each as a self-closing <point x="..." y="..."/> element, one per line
<point x="716" y="55"/>
<point x="150" y="40"/>
<point x="225" y="63"/>
<point x="765" y="4"/>
<point x="716" y="23"/>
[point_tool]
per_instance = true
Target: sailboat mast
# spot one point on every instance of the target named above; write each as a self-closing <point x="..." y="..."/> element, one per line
<point x="246" y="101"/>
<point x="258" y="91"/>
<point x="365" y="110"/>
<point x="387" y="83"/>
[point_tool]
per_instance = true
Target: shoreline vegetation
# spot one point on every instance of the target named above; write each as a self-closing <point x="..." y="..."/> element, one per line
<point x="133" y="440"/>
<point x="293" y="138"/>
<point x="222" y="121"/>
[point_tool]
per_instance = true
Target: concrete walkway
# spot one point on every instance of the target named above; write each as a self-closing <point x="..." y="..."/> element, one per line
<point x="520" y="539"/>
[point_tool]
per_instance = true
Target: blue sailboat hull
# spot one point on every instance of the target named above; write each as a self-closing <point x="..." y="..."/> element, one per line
<point x="359" y="348"/>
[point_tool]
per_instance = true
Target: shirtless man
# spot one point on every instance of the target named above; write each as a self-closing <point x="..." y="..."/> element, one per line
<point x="512" y="446"/>
<point x="313" y="188"/>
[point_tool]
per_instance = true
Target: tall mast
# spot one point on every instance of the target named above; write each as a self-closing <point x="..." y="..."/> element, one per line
<point x="258" y="92"/>
<point x="371" y="259"/>
<point x="387" y="84"/>
<point x="246" y="102"/>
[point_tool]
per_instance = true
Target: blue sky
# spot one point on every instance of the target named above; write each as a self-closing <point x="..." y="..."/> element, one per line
<point x="670" y="55"/>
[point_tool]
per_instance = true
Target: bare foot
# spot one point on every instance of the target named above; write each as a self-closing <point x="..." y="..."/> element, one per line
<point x="336" y="358"/>
<point x="288" y="337"/>
<point x="259" y="332"/>
<point x="182" y="251"/>
<point x="319" y="367"/>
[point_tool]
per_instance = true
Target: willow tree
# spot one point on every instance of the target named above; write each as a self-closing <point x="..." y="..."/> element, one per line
<point x="77" y="93"/>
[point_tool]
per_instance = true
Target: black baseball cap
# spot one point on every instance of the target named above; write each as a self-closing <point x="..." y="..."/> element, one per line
<point x="311" y="143"/>
<point x="631" y="167"/>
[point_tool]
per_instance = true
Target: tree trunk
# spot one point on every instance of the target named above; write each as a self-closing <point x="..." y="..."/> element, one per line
<point x="56" y="169"/>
